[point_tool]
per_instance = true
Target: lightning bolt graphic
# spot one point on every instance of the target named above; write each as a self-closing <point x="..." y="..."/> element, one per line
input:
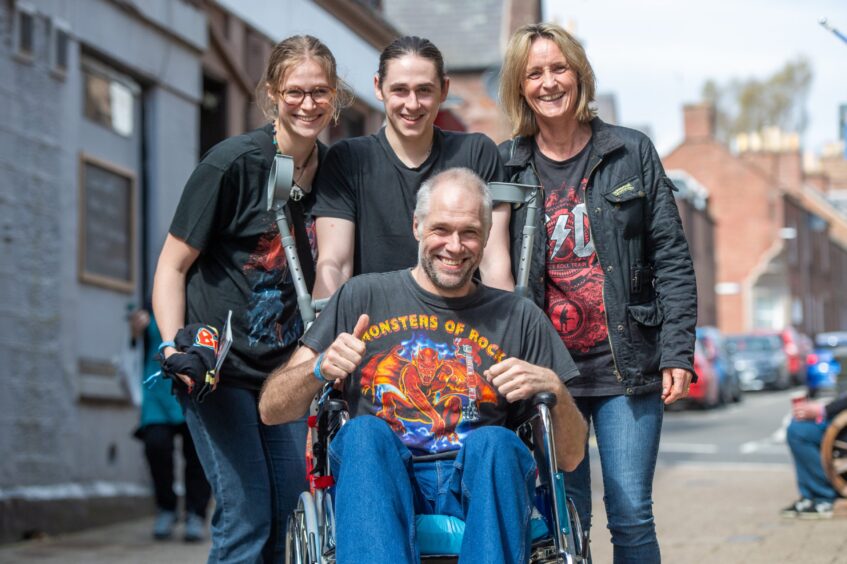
<point x="560" y="233"/>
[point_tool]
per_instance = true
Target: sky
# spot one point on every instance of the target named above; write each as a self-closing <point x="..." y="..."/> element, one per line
<point x="655" y="55"/>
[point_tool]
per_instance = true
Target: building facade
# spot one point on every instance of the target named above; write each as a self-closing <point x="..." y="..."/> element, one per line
<point x="105" y="109"/>
<point x="779" y="244"/>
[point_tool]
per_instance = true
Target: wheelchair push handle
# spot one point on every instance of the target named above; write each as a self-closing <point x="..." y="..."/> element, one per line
<point x="546" y="398"/>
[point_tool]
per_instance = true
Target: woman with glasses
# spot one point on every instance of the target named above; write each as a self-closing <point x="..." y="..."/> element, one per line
<point x="222" y="253"/>
<point x="611" y="269"/>
<point x="367" y="186"/>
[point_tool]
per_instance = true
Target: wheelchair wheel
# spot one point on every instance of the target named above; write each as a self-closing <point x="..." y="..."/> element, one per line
<point x="834" y="453"/>
<point x="303" y="539"/>
<point x="328" y="527"/>
<point x="580" y="538"/>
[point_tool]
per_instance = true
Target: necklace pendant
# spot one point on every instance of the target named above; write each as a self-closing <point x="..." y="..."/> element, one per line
<point x="296" y="193"/>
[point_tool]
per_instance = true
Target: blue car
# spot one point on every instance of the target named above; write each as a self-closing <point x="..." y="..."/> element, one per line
<point x="824" y="365"/>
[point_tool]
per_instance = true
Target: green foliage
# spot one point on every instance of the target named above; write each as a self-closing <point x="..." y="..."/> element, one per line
<point x="745" y="106"/>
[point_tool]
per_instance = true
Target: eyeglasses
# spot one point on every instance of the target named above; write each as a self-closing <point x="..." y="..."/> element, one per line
<point x="295" y="96"/>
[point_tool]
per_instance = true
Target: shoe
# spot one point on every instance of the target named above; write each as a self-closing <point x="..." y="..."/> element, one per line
<point x="818" y="510"/>
<point x="195" y="528"/>
<point x="793" y="510"/>
<point x="163" y="527"/>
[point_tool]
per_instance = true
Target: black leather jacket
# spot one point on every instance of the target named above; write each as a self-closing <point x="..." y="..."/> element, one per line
<point x="649" y="291"/>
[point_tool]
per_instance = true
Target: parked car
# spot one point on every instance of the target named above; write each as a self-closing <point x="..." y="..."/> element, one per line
<point x="823" y="365"/>
<point x="705" y="392"/>
<point x="714" y="349"/>
<point x="760" y="361"/>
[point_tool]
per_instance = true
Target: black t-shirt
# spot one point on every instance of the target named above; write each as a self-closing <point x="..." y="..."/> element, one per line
<point x="242" y="266"/>
<point x="574" y="282"/>
<point x="425" y="356"/>
<point x="363" y="181"/>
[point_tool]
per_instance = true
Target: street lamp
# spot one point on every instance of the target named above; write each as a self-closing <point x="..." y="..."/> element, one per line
<point x="826" y="25"/>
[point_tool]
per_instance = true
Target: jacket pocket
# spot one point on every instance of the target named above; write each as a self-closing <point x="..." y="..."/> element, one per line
<point x="649" y="314"/>
<point x="627" y="202"/>
<point x="645" y="322"/>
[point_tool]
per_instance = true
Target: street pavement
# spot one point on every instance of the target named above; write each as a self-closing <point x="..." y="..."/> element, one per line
<point x="717" y="499"/>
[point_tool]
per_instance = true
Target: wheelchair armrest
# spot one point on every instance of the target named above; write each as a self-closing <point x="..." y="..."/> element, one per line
<point x="547" y="398"/>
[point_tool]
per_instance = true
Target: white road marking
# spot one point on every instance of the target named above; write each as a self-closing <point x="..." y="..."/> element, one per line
<point x="777" y="439"/>
<point x="730" y="466"/>
<point x="688" y="448"/>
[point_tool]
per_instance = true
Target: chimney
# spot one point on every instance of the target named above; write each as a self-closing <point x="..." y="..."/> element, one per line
<point x="699" y="122"/>
<point x="790" y="169"/>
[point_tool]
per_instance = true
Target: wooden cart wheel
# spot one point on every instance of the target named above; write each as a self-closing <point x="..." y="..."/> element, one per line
<point x="834" y="453"/>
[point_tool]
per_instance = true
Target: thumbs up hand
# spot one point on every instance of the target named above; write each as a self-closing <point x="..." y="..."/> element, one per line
<point x="345" y="353"/>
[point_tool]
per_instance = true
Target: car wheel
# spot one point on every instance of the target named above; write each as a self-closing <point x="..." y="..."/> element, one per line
<point x="725" y="393"/>
<point x="737" y="393"/>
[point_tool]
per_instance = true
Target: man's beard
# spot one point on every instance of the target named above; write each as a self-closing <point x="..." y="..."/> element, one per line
<point x="428" y="265"/>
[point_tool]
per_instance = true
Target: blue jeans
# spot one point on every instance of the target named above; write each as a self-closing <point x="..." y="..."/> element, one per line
<point x="256" y="472"/>
<point x="490" y="485"/>
<point x="804" y="439"/>
<point x="627" y="429"/>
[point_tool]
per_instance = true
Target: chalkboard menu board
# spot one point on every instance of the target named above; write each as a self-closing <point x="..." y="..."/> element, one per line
<point x="107" y="225"/>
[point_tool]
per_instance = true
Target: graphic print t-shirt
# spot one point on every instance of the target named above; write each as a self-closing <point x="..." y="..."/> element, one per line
<point x="574" y="282"/>
<point x="242" y="266"/>
<point x="425" y="356"/>
<point x="363" y="181"/>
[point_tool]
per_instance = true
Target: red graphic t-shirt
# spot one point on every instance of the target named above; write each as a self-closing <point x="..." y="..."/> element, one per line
<point x="574" y="281"/>
<point x="574" y="275"/>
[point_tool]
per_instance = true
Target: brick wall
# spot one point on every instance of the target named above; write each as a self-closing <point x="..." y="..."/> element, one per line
<point x="745" y="204"/>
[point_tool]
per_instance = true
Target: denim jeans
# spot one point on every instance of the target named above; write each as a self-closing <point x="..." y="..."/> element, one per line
<point x="804" y="439"/>
<point x="490" y="485"/>
<point x="256" y="472"/>
<point x="627" y="429"/>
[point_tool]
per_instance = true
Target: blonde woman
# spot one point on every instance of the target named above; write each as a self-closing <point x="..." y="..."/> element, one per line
<point x="611" y="269"/>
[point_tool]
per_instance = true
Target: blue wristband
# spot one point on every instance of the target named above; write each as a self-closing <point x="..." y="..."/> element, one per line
<point x="317" y="371"/>
<point x="166" y="344"/>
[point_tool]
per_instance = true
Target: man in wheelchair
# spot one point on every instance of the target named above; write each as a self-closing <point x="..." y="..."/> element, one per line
<point x="436" y="368"/>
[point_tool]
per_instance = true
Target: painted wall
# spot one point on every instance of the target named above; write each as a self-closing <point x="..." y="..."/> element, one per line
<point x="63" y="432"/>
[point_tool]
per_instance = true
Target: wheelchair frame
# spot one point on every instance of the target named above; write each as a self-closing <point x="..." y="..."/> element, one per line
<point x="310" y="531"/>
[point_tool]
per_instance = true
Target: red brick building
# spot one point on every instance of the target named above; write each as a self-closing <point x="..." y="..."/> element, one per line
<point x="779" y="244"/>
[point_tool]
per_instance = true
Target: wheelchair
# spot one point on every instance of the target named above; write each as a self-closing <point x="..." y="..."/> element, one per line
<point x="557" y="536"/>
<point x="834" y="453"/>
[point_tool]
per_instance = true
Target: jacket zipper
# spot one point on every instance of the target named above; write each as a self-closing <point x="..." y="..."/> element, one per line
<point x="603" y="293"/>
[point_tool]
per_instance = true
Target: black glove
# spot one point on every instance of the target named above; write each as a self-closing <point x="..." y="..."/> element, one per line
<point x="197" y="347"/>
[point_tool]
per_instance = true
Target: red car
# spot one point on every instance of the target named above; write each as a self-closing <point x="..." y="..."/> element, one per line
<point x="706" y="390"/>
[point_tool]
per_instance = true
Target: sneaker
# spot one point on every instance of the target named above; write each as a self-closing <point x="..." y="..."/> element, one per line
<point x="195" y="528"/>
<point x="818" y="510"/>
<point x="163" y="527"/>
<point x="793" y="510"/>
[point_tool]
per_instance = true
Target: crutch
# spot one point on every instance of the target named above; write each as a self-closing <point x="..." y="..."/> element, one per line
<point x="527" y="195"/>
<point x="568" y="538"/>
<point x="280" y="181"/>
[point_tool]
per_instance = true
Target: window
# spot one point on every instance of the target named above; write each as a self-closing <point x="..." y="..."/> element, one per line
<point x="24" y="31"/>
<point x="60" y="40"/>
<point x="109" y="97"/>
